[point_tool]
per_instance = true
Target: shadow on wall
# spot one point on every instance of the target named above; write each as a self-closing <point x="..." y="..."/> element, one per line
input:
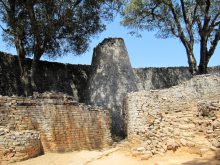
<point x="111" y="78"/>
<point x="50" y="76"/>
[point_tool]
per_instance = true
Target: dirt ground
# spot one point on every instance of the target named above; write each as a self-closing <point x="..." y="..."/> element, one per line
<point x="181" y="158"/>
<point x="119" y="156"/>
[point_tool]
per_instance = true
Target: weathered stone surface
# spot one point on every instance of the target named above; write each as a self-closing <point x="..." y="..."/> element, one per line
<point x="159" y="78"/>
<point x="62" y="123"/>
<point x="65" y="78"/>
<point x="111" y="78"/>
<point x="18" y="146"/>
<point x="183" y="115"/>
<point x="51" y="76"/>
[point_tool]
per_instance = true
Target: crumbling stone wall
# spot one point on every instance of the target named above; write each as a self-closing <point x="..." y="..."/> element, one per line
<point x="17" y="146"/>
<point x="62" y="124"/>
<point x="184" y="115"/>
<point x="209" y="114"/>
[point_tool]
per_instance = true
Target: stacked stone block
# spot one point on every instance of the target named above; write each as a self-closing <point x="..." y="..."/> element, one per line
<point x="209" y="113"/>
<point x="18" y="146"/>
<point x="169" y="118"/>
<point x="62" y="124"/>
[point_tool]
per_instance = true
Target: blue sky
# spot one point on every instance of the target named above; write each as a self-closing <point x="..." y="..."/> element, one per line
<point x="147" y="51"/>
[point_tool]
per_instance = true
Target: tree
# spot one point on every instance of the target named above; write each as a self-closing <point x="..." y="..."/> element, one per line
<point x="49" y="27"/>
<point x="192" y="21"/>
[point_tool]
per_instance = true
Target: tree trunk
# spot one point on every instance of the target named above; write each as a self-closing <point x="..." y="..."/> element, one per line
<point x="193" y="68"/>
<point x="33" y="73"/>
<point x="25" y="80"/>
<point x="203" y="65"/>
<point x="23" y="69"/>
<point x="203" y="56"/>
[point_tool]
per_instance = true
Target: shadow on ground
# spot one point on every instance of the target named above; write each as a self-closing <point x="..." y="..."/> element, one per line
<point x="213" y="160"/>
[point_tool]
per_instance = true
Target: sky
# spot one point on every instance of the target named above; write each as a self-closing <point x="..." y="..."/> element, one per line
<point x="147" y="51"/>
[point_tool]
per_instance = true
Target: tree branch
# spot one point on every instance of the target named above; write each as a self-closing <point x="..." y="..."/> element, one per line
<point x="194" y="17"/>
<point x="214" y="43"/>
<point x="3" y="29"/>
<point x="6" y="7"/>
<point x="214" y="23"/>
<point x="76" y="4"/>
<point x="206" y="17"/>
<point x="34" y="26"/>
<point x="187" y="22"/>
<point x="179" y="28"/>
<point x="184" y="12"/>
<point x="199" y="24"/>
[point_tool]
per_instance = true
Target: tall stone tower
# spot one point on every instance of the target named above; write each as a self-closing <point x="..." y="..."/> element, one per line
<point x="111" y="78"/>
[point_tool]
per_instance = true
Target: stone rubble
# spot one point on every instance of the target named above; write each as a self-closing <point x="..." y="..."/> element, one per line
<point x="187" y="115"/>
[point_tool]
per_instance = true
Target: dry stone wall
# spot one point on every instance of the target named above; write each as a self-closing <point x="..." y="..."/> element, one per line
<point x="52" y="120"/>
<point x="184" y="115"/>
<point x="166" y="77"/>
<point x="103" y="83"/>
<point x="111" y="78"/>
<point x="159" y="78"/>
<point x="52" y="76"/>
<point x="72" y="79"/>
<point x="19" y="145"/>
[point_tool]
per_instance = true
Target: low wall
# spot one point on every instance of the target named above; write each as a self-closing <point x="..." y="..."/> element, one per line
<point x="62" y="124"/>
<point x="18" y="146"/>
<point x="170" y="118"/>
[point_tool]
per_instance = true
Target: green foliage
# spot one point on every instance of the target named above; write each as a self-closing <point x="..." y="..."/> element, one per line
<point x="53" y="27"/>
<point x="158" y="15"/>
<point x="189" y="20"/>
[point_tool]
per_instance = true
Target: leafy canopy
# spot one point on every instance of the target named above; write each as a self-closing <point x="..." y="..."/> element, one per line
<point x="159" y="15"/>
<point x="53" y="27"/>
<point x="189" y="20"/>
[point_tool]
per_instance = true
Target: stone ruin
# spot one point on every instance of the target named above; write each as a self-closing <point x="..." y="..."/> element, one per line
<point x="111" y="78"/>
<point x="115" y="100"/>
<point x="50" y="122"/>
<point x="187" y="115"/>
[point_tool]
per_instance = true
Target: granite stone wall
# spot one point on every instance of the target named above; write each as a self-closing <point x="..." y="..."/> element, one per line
<point x="52" y="120"/>
<point x="73" y="79"/>
<point x="51" y="76"/>
<point x="104" y="83"/>
<point x="166" y="77"/>
<point x="183" y="115"/>
<point x="19" y="145"/>
<point x="111" y="78"/>
<point x="160" y="78"/>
